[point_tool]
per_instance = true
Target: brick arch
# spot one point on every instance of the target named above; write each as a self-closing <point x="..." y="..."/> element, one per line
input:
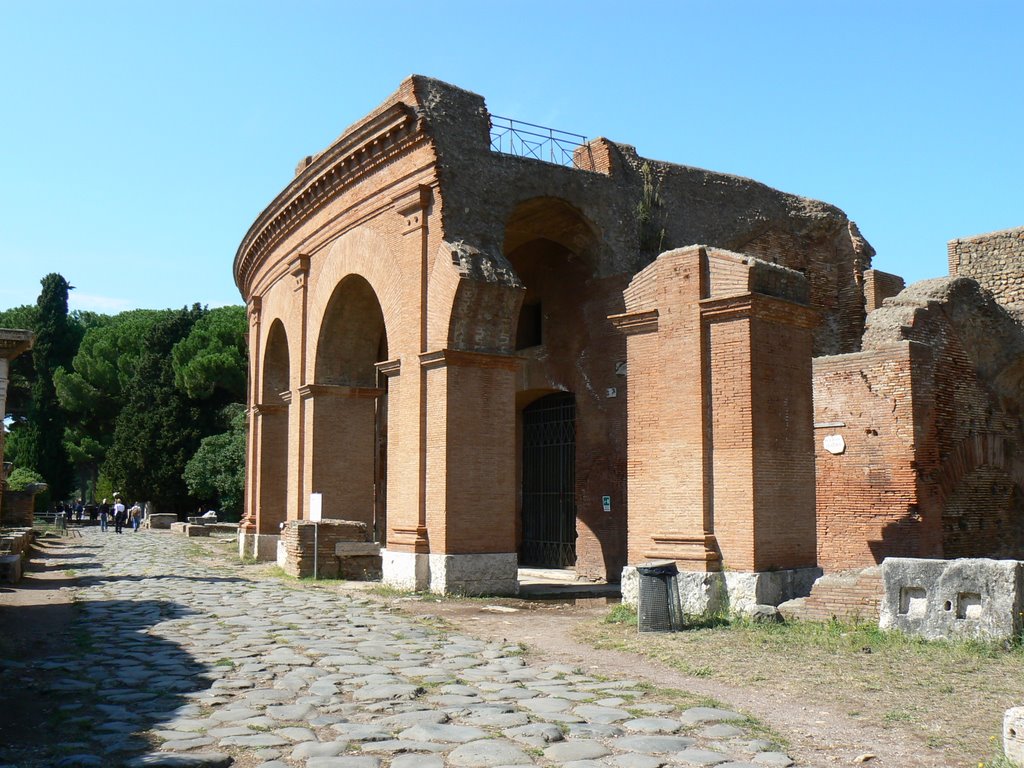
<point x="360" y="253"/>
<point x="473" y="300"/>
<point x="352" y="336"/>
<point x="974" y="451"/>
<point x="551" y="218"/>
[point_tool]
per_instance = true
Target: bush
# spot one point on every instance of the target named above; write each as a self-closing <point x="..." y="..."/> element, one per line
<point x="22" y="478"/>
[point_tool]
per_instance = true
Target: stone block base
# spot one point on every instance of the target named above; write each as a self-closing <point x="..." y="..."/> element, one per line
<point x="257" y="546"/>
<point x="405" y="570"/>
<point x="486" y="574"/>
<point x="1013" y="735"/>
<point x="160" y="520"/>
<point x="10" y="568"/>
<point x="704" y="593"/>
<point x="193" y="531"/>
<point x="938" y="599"/>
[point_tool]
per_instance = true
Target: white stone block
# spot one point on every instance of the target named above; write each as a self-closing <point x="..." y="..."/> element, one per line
<point x="405" y="570"/>
<point x="1013" y="735"/>
<point x="481" y="574"/>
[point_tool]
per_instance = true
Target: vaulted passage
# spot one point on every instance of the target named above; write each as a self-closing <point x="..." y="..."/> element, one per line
<point x="549" y="477"/>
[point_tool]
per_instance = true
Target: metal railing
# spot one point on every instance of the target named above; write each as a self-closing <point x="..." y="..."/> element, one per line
<point x="549" y="145"/>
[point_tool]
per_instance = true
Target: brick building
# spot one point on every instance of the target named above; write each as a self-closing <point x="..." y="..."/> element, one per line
<point x="498" y="348"/>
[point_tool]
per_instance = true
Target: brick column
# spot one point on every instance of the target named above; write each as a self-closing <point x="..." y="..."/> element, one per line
<point x="720" y="422"/>
<point x="762" y="438"/>
<point x="470" y="471"/>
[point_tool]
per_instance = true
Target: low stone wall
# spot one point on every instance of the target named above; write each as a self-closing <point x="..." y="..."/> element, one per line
<point x="14" y="546"/>
<point x="703" y="593"/>
<point x="295" y="550"/>
<point x="973" y="598"/>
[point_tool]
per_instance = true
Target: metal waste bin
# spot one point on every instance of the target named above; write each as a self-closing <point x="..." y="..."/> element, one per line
<point x="660" y="609"/>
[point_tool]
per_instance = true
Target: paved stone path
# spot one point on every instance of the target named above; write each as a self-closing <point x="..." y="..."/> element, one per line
<point x="185" y="668"/>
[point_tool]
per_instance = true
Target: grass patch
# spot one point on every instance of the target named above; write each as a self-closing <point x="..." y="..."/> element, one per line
<point x="621" y="614"/>
<point x="950" y="694"/>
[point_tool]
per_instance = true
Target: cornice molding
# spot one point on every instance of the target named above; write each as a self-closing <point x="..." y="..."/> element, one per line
<point x="359" y="152"/>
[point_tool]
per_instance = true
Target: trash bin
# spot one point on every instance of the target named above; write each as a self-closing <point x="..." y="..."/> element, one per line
<point x="660" y="609"/>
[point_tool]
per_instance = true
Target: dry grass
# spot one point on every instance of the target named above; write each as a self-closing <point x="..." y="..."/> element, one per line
<point x="954" y="694"/>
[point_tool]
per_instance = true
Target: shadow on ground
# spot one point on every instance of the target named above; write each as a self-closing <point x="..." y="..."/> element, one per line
<point x="96" y="686"/>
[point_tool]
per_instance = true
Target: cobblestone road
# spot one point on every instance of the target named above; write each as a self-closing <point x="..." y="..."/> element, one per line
<point x="174" y="667"/>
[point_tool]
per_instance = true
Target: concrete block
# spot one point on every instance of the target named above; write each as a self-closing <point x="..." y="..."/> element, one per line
<point x="973" y="598"/>
<point x="161" y="520"/>
<point x="193" y="531"/>
<point x="178" y="527"/>
<point x="1013" y="735"/>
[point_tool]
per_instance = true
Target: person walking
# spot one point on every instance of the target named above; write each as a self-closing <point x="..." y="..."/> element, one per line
<point x="120" y="515"/>
<point x="104" y="515"/>
<point x="135" y="513"/>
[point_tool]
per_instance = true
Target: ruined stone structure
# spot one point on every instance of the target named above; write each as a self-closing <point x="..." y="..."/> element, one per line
<point x="492" y="359"/>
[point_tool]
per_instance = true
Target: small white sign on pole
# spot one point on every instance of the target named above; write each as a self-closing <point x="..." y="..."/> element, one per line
<point x="316" y="507"/>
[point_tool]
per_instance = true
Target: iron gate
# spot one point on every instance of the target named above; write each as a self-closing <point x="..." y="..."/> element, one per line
<point x="549" y="478"/>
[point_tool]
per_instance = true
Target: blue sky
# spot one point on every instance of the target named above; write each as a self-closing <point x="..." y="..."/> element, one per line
<point x="138" y="141"/>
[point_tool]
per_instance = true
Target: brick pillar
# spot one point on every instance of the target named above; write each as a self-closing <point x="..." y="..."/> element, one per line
<point x="470" y="471"/>
<point x="340" y="463"/>
<point x="762" y="440"/>
<point x="667" y="463"/>
<point x="720" y="419"/>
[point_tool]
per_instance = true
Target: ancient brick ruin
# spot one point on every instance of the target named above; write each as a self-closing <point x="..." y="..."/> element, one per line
<point x="492" y="359"/>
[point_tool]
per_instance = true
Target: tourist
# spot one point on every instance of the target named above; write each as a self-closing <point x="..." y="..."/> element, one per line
<point x="104" y="515"/>
<point x="79" y="510"/>
<point x="135" y="513"/>
<point x="120" y="514"/>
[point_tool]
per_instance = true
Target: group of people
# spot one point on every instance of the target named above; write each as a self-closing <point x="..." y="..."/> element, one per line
<point x="120" y="514"/>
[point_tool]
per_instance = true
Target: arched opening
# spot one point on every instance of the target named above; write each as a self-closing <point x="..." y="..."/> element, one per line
<point x="568" y="346"/>
<point x="549" y="482"/>
<point x="348" y="408"/>
<point x="272" y="412"/>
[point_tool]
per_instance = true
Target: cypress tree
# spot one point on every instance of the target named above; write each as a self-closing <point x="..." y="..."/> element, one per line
<point x="56" y="342"/>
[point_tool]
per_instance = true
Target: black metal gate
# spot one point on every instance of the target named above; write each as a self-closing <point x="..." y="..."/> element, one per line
<point x="549" y="477"/>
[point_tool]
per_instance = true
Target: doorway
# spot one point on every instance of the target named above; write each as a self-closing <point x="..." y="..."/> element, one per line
<point x="549" y="480"/>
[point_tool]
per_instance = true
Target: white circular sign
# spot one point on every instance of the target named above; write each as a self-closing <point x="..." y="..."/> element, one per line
<point x="834" y="444"/>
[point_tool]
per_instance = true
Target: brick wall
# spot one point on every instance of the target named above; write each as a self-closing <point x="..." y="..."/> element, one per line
<point x="298" y="537"/>
<point x="879" y="286"/>
<point x="853" y="596"/>
<point x="996" y="260"/>
<point x="867" y="496"/>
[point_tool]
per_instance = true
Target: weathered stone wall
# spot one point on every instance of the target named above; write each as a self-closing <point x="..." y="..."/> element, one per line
<point x="847" y="596"/>
<point x="18" y="508"/>
<point x="929" y="413"/>
<point x="996" y="261"/>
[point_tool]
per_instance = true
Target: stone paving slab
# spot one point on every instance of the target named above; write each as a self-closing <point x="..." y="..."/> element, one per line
<point x="214" y="667"/>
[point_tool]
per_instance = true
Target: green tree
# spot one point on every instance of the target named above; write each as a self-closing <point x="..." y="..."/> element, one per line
<point x="92" y="391"/>
<point x="216" y="473"/>
<point x="212" y="362"/>
<point x="159" y="428"/>
<point x="42" y="446"/>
